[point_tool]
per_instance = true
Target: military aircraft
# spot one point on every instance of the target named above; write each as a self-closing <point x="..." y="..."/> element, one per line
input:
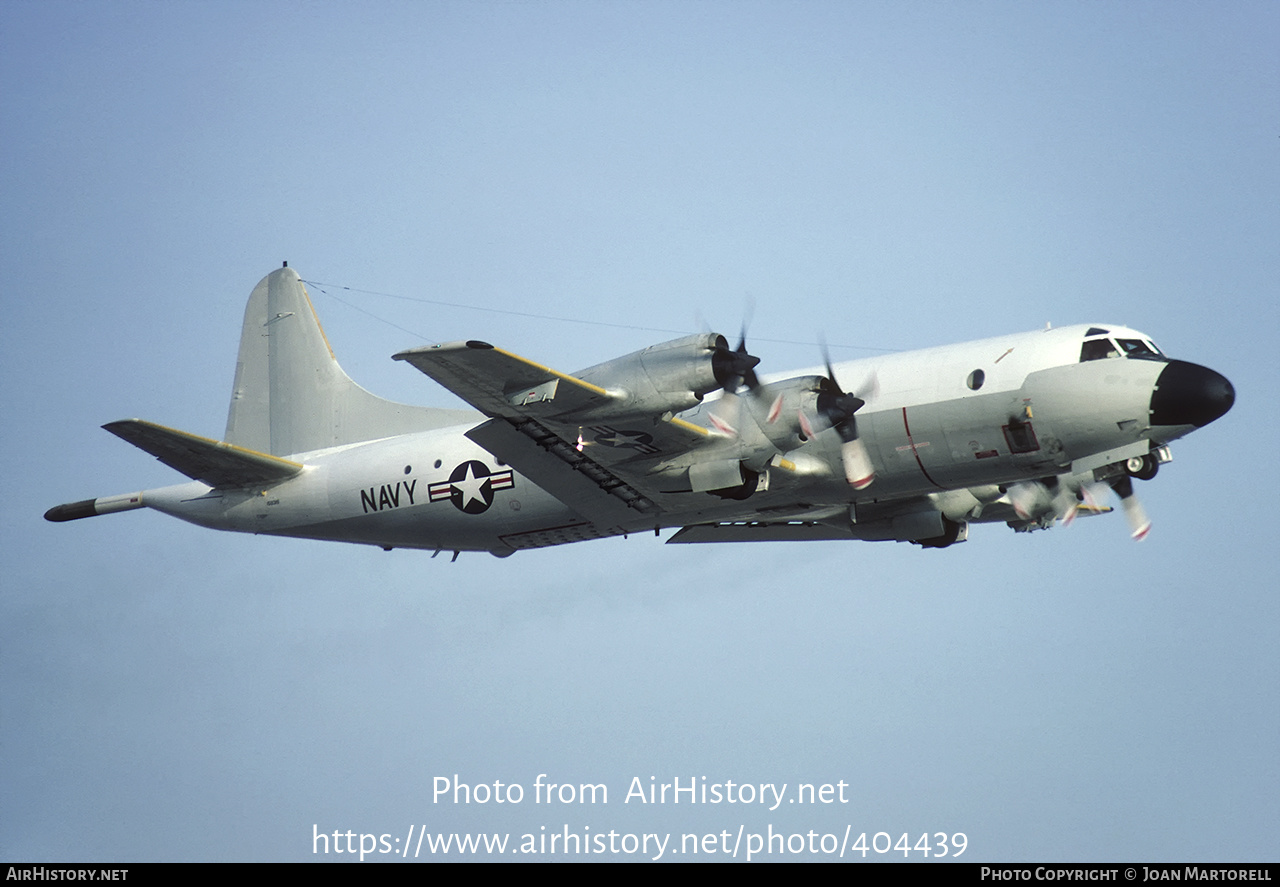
<point x="1027" y="429"/>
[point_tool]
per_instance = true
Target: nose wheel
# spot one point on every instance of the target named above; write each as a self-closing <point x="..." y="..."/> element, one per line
<point x="1142" y="467"/>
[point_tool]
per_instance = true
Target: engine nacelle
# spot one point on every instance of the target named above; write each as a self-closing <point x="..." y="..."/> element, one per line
<point x="779" y="405"/>
<point x="671" y="377"/>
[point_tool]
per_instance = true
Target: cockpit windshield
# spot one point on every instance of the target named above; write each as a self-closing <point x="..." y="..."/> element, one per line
<point x="1098" y="349"/>
<point x="1102" y="349"/>
<point x="1140" y="349"/>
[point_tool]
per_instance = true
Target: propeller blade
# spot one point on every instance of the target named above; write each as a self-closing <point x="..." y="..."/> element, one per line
<point x="1027" y="499"/>
<point x="734" y="368"/>
<point x="871" y="389"/>
<point x="1065" y="504"/>
<point x="726" y="413"/>
<point x="1036" y="501"/>
<point x="1090" y="497"/>
<point x="826" y="360"/>
<point x="775" y="410"/>
<point x="857" y="464"/>
<point x="749" y="377"/>
<point x="806" y="427"/>
<point x="1139" y="524"/>
<point x="839" y="407"/>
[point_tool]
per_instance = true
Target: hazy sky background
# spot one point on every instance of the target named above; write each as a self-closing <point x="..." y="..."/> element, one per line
<point x="892" y="175"/>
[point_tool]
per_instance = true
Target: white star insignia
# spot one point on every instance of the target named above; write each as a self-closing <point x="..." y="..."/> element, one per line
<point x="471" y="487"/>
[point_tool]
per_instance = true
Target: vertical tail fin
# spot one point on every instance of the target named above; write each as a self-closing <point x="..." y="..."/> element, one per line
<point x="290" y="396"/>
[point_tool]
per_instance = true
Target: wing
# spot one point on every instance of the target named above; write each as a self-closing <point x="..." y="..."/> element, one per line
<point x="584" y="443"/>
<point x="499" y="383"/>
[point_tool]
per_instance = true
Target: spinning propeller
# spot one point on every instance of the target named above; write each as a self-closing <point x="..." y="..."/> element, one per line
<point x="736" y="369"/>
<point x="733" y="369"/>
<point x="838" y="407"/>
<point x="1139" y="525"/>
<point x="1036" y="500"/>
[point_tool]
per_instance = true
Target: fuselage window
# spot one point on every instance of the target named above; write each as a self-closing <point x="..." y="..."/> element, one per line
<point x="1098" y="349"/>
<point x="975" y="380"/>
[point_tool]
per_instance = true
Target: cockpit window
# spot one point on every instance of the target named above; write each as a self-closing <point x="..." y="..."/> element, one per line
<point x="1101" y="349"/>
<point x="1096" y="331"/>
<point x="1098" y="349"/>
<point x="1140" y="349"/>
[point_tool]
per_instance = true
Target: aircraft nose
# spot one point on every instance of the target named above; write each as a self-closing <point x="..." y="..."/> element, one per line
<point x="1189" y="394"/>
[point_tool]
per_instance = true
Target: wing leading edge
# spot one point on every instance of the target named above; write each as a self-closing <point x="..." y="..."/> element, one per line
<point x="499" y="383"/>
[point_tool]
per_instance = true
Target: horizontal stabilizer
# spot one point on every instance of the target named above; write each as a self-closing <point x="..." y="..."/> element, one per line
<point x="210" y="461"/>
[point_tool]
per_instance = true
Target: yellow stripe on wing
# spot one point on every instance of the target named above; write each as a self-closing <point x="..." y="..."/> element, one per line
<point x="687" y="426"/>
<point x="573" y="380"/>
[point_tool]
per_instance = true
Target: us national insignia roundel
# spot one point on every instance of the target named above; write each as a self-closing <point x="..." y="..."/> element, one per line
<point x="471" y="487"/>
<point x="639" y="441"/>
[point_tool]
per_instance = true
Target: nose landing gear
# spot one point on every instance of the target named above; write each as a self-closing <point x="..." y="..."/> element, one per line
<point x="1142" y="467"/>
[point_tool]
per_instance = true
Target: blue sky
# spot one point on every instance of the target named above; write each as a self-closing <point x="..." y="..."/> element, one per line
<point x="888" y="175"/>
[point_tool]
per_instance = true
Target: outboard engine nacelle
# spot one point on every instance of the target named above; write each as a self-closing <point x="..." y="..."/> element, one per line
<point x="671" y="377"/>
